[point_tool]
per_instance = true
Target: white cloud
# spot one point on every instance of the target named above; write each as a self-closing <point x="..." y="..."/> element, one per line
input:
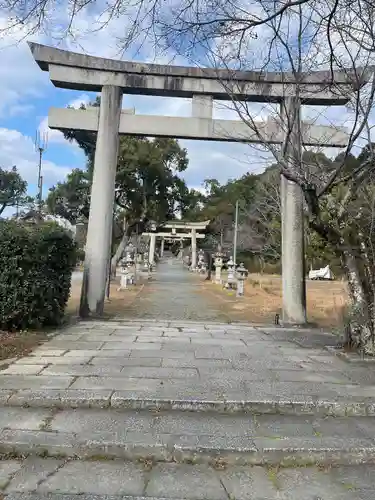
<point x="55" y="136"/>
<point x="19" y="150"/>
<point x="20" y="78"/>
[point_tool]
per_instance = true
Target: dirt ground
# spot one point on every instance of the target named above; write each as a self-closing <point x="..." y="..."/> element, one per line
<point x="326" y="300"/>
<point x="118" y="301"/>
<point x="16" y="344"/>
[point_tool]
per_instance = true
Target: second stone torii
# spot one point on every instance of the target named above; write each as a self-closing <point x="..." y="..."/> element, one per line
<point x="174" y="236"/>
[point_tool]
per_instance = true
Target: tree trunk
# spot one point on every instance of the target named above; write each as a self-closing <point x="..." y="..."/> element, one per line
<point x="359" y="332"/>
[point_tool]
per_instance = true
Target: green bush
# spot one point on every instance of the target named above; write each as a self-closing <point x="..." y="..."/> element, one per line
<point x="36" y="263"/>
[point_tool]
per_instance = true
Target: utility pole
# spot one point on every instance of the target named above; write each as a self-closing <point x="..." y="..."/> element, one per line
<point x="235" y="236"/>
<point x="41" y="141"/>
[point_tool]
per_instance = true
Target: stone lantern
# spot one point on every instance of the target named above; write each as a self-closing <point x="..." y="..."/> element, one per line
<point x="241" y="276"/>
<point x="231" y="277"/>
<point x="138" y="262"/>
<point x="127" y="268"/>
<point x="218" y="265"/>
<point x="201" y="262"/>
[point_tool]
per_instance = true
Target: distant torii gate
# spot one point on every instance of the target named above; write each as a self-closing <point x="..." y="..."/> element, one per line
<point x="112" y="78"/>
<point x="193" y="227"/>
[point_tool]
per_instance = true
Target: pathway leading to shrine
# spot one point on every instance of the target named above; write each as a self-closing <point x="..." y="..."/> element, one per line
<point x="173" y="403"/>
<point x="175" y="294"/>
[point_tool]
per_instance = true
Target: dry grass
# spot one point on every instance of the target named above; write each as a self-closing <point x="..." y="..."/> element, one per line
<point x="18" y="344"/>
<point x="117" y="304"/>
<point x="326" y="300"/>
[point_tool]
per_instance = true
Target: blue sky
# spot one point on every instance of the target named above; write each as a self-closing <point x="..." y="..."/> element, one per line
<point x="27" y="94"/>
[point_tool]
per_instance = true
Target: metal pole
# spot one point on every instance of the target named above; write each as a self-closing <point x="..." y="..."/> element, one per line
<point x="235" y="236"/>
<point x="40" y="193"/>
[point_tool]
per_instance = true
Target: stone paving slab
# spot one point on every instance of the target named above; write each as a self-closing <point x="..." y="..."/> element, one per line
<point x="204" y="361"/>
<point x="194" y="365"/>
<point x="183" y="436"/>
<point x="46" y="479"/>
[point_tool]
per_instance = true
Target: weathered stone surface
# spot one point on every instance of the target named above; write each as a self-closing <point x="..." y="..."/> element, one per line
<point x="115" y="383"/>
<point x="213" y="353"/>
<point x="4" y="396"/>
<point x="82" y="370"/>
<point x="53" y="360"/>
<point x="178" y="481"/>
<point x="97" y="421"/>
<point x="310" y="484"/>
<point x="27" y="369"/>
<point x="80" y="353"/>
<point x="124" y="345"/>
<point x="100" y="478"/>
<point x="198" y="424"/>
<point x="34" y="470"/>
<point x="152" y="353"/>
<point x="160" y="373"/>
<point x="196" y="363"/>
<point x="119" y="353"/>
<point x="241" y="482"/>
<point x="355" y="478"/>
<point x="23" y="418"/>
<point x="277" y="426"/>
<point x="330" y="443"/>
<point x="38" y="442"/>
<point x="7" y="469"/>
<point x="48" y="350"/>
<point x="75" y="345"/>
<point x="71" y="398"/>
<point x="34" y="382"/>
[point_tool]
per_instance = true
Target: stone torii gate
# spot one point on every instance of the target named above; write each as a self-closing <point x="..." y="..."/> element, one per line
<point x="193" y="227"/>
<point x="112" y="78"/>
<point x="172" y="236"/>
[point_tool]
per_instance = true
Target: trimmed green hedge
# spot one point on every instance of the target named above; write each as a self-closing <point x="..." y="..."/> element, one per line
<point x="36" y="264"/>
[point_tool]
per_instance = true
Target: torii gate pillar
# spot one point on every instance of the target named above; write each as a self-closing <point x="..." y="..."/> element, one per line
<point x="99" y="234"/>
<point x="193" y="249"/>
<point x="151" y="256"/>
<point x="292" y="236"/>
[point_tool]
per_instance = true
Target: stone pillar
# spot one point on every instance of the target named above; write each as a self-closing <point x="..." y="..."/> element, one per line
<point x="202" y="106"/>
<point x="193" y="249"/>
<point x="162" y="248"/>
<point x="293" y="255"/>
<point x="99" y="233"/>
<point x="151" y="255"/>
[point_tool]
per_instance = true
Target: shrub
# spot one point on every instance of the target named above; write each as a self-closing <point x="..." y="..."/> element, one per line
<point x="36" y="263"/>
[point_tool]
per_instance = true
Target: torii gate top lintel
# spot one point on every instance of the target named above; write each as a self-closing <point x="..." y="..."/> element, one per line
<point x="68" y="68"/>
<point x="199" y="226"/>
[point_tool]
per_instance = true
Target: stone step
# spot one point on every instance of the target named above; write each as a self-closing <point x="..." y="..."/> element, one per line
<point x="186" y="437"/>
<point x="137" y="400"/>
<point x="58" y="479"/>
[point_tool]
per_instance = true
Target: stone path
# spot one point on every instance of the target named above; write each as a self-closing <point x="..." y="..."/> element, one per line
<point x="175" y="294"/>
<point x="175" y="408"/>
<point x="58" y="479"/>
